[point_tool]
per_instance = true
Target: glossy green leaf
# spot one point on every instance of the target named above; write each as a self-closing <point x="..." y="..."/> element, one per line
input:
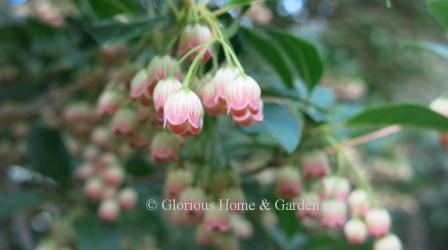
<point x="111" y="32"/>
<point x="283" y="126"/>
<point x="303" y="55"/>
<point x="48" y="155"/>
<point x="92" y="233"/>
<point x="270" y="54"/>
<point x="439" y="9"/>
<point x="14" y="202"/>
<point x="411" y="115"/>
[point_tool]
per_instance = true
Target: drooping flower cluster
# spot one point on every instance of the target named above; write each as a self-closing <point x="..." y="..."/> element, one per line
<point x="213" y="208"/>
<point x="333" y="202"/>
<point x="104" y="179"/>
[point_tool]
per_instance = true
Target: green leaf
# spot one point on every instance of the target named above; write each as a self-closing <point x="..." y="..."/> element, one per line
<point x="16" y="201"/>
<point x="107" y="9"/>
<point x="402" y="114"/>
<point x="439" y="9"/>
<point x="283" y="126"/>
<point x="236" y="3"/>
<point x="48" y="155"/>
<point x="303" y="55"/>
<point x="271" y="54"/>
<point x="111" y="32"/>
<point x="94" y="234"/>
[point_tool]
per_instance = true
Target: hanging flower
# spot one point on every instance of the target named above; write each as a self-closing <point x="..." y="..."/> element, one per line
<point x="113" y="176"/>
<point x="335" y="187"/>
<point x="108" y="102"/>
<point x="388" y="242"/>
<point x="359" y="203"/>
<point x="139" y="84"/>
<point x="333" y="213"/>
<point x="124" y="121"/>
<point x="165" y="147"/>
<point x="127" y="198"/>
<point x="288" y="183"/>
<point x="183" y="113"/>
<point x="315" y="165"/>
<point x="176" y="182"/>
<point x="378" y="222"/>
<point x="159" y="69"/>
<point x="163" y="90"/>
<point x="109" y="210"/>
<point x="311" y="203"/>
<point x="193" y="37"/>
<point x="248" y="118"/>
<point x="196" y="198"/>
<point x="243" y="94"/>
<point x="355" y="231"/>
<point x="216" y="220"/>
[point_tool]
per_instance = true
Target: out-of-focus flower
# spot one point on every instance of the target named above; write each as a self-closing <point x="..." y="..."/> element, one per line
<point x="109" y="210"/>
<point x="355" y="231"/>
<point x="193" y="37"/>
<point x="288" y="183"/>
<point x="378" y="222"/>
<point x="388" y="242"/>
<point x="333" y="213"/>
<point x="165" y="147"/>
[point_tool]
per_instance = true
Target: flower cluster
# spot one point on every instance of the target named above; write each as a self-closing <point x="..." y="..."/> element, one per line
<point x="104" y="179"/>
<point x="336" y="202"/>
<point x="203" y="206"/>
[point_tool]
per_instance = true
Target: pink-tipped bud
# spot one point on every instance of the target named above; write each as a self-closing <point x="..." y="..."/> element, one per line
<point x="127" y="198"/>
<point x="288" y="183"/>
<point x="159" y="69"/>
<point x="359" y="203"/>
<point x="124" y="121"/>
<point x="315" y="165"/>
<point x="204" y="237"/>
<point x="388" y="242"/>
<point x="355" y="231"/>
<point x="113" y="176"/>
<point x="94" y="188"/>
<point x="183" y="113"/>
<point x="165" y="147"/>
<point x="84" y="171"/>
<point x="216" y="220"/>
<point x="233" y="196"/>
<point x="109" y="210"/>
<point x="108" y="102"/>
<point x="101" y="137"/>
<point x="311" y="202"/>
<point x="241" y="226"/>
<point x="333" y="213"/>
<point x="176" y="182"/>
<point x="378" y="222"/>
<point x="139" y="83"/>
<point x="335" y="187"/>
<point x="243" y="94"/>
<point x="163" y="90"/>
<point x="193" y="37"/>
<point x="196" y="197"/>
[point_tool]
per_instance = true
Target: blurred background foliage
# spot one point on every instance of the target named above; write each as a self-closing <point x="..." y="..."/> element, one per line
<point x="372" y="55"/>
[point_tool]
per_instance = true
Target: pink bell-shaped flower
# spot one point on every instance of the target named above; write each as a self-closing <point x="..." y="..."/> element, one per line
<point x="243" y="94"/>
<point x="378" y="222"/>
<point x="359" y="203"/>
<point x="159" y="68"/>
<point x="193" y="37"/>
<point x="333" y="213"/>
<point x="288" y="183"/>
<point x="176" y="182"/>
<point x="335" y="187"/>
<point x="315" y="165"/>
<point x="109" y="210"/>
<point x="216" y="220"/>
<point x="163" y="90"/>
<point x="139" y="83"/>
<point x="165" y="147"/>
<point x="127" y="198"/>
<point x="310" y="208"/>
<point x="124" y="121"/>
<point x="248" y="118"/>
<point x="355" y="231"/>
<point x="108" y="102"/>
<point x="388" y="242"/>
<point x="183" y="113"/>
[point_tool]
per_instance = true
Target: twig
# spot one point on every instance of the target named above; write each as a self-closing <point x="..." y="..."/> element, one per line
<point x="390" y="130"/>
